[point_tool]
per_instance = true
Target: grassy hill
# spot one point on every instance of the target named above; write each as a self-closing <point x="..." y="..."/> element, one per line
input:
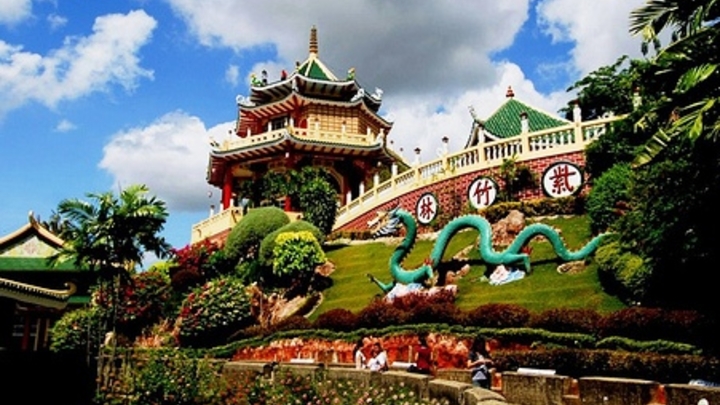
<point x="543" y="289"/>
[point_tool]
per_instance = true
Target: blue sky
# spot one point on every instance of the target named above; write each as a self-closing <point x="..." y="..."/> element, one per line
<point x="98" y="95"/>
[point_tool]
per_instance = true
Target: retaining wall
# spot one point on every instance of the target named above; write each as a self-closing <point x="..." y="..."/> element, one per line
<point x="517" y="388"/>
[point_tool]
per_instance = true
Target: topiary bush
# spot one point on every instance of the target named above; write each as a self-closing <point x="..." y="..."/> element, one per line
<point x="243" y="242"/>
<point x="296" y="254"/>
<point x="212" y="312"/>
<point x="608" y="194"/>
<point x="268" y="243"/>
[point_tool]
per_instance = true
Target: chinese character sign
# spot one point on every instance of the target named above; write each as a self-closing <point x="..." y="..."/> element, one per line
<point x="482" y="192"/>
<point x="562" y="179"/>
<point x="426" y="208"/>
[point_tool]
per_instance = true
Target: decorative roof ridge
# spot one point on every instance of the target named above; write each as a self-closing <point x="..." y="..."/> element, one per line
<point x="33" y="224"/>
<point x="540" y="110"/>
<point x="71" y="288"/>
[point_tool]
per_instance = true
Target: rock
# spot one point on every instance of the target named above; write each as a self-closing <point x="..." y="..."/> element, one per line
<point x="505" y="230"/>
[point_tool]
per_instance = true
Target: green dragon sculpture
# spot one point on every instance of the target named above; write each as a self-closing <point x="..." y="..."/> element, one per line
<point x="390" y="222"/>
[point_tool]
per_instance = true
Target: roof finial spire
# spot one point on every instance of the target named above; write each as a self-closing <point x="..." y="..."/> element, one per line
<point x="313" y="40"/>
<point x="509" y="93"/>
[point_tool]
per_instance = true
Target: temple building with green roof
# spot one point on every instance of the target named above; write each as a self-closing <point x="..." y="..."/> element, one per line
<point x="308" y="117"/>
<point x="511" y="119"/>
<point x="34" y="294"/>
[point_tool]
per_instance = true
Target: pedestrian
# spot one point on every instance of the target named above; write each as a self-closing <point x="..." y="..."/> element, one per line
<point x="423" y="357"/>
<point x="479" y="362"/>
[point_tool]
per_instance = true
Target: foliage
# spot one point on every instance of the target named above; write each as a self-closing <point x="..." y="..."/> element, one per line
<point x="379" y="314"/>
<point x="140" y="302"/>
<point x="209" y="314"/>
<point x="338" y="319"/>
<point x="609" y="90"/>
<point x="569" y="320"/>
<point x="111" y="233"/>
<point x="499" y="316"/>
<point x="571" y="205"/>
<point x="288" y="387"/>
<point x="622" y="272"/>
<point x="310" y="190"/>
<point x="197" y="263"/>
<point x="671" y="224"/>
<point x="296" y="254"/>
<point x="645" y="346"/>
<point x="243" y="242"/>
<point x="173" y="377"/>
<point x="76" y="331"/>
<point x="515" y="177"/>
<point x="577" y="363"/>
<point x="268" y="243"/>
<point x="608" y="196"/>
<point x="688" y="66"/>
<point x="317" y="199"/>
<point x="642" y="323"/>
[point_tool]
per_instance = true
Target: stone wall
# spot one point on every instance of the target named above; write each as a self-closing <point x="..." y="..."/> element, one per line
<point x="519" y="388"/>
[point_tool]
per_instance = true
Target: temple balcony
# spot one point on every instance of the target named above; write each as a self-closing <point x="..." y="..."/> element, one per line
<point x="316" y="134"/>
<point x="216" y="225"/>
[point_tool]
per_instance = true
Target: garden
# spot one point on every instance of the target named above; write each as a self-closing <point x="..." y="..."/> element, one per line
<point x="641" y="307"/>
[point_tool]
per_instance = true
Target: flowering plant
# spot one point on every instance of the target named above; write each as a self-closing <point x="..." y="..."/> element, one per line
<point x="213" y="311"/>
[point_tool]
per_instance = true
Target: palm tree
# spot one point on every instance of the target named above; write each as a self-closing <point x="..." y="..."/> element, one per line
<point x="110" y="233"/>
<point x="689" y="64"/>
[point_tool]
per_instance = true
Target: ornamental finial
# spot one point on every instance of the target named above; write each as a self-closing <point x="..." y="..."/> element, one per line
<point x="509" y="93"/>
<point x="313" y="40"/>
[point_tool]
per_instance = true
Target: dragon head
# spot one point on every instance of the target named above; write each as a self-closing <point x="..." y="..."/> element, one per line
<point x="385" y="224"/>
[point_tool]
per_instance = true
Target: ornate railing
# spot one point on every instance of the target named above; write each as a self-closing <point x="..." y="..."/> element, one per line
<point x="528" y="146"/>
<point x="313" y="134"/>
<point x="215" y="224"/>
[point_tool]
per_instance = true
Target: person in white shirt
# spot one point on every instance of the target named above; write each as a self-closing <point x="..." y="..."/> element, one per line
<point x="358" y="355"/>
<point x="378" y="362"/>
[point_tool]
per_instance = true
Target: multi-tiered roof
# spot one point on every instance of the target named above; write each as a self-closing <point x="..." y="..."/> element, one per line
<point x="286" y="104"/>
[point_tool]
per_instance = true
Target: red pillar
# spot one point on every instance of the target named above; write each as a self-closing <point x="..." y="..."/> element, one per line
<point x="227" y="190"/>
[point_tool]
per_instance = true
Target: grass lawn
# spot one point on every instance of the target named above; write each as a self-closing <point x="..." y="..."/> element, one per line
<point x="542" y="289"/>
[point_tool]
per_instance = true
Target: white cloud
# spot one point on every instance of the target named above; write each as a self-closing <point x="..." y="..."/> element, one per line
<point x="232" y="73"/>
<point x="82" y="66"/>
<point x="14" y="11"/>
<point x="439" y="48"/>
<point x="169" y="155"/>
<point x="599" y="29"/>
<point x="64" y="126"/>
<point x="56" y="21"/>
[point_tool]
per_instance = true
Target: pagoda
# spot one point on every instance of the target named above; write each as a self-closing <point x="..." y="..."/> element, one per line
<point x="309" y="117"/>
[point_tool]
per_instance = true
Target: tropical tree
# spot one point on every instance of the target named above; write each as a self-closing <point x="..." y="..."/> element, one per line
<point x="111" y="233"/>
<point x="689" y="63"/>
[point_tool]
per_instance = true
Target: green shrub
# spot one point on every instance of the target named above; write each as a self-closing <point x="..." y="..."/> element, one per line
<point x="212" y="312"/>
<point x="243" y="242"/>
<point x="296" y="254"/>
<point x="608" y="191"/>
<point x="622" y="273"/>
<point x="77" y="331"/>
<point x="268" y="243"/>
<point x="653" y="346"/>
<point x="171" y="377"/>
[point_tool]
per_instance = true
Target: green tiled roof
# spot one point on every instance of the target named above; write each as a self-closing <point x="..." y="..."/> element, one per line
<point x="505" y="122"/>
<point x="312" y="69"/>
<point x="32" y="264"/>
